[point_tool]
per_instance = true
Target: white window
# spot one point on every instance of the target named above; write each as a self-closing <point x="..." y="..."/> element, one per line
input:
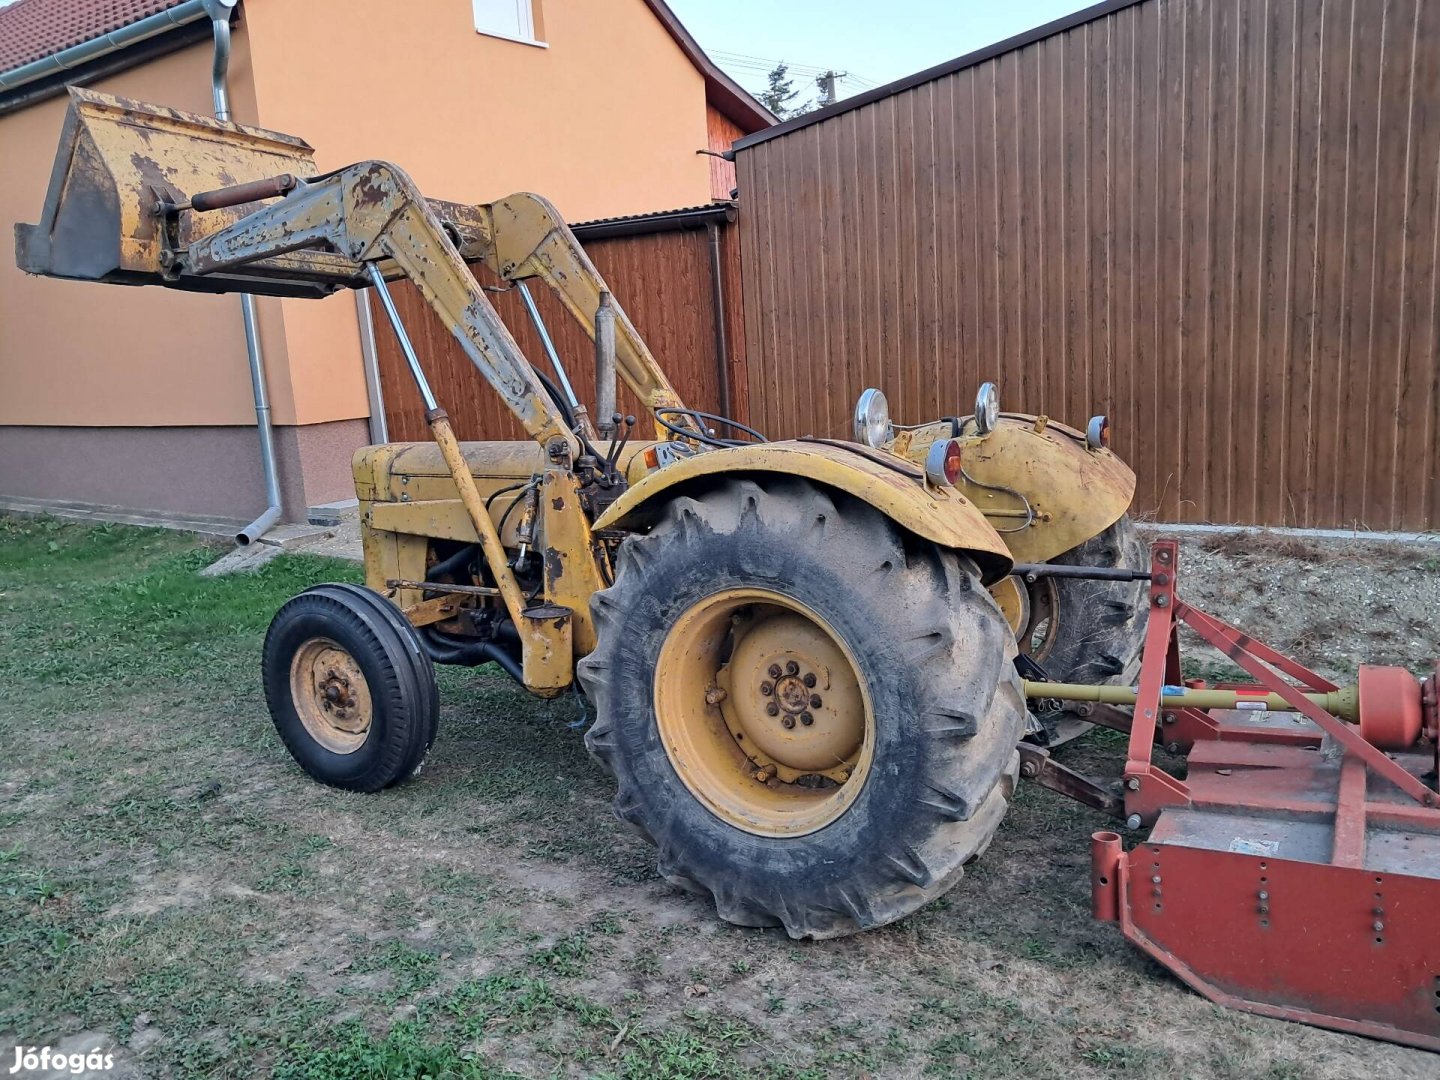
<point x="513" y="19"/>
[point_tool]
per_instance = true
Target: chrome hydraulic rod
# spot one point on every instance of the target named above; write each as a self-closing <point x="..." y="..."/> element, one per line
<point x="416" y="371"/>
<point x="548" y="344"/>
<point x="1344" y="703"/>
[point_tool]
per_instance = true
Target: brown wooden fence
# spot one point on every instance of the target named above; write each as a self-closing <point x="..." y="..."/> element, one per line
<point x="663" y="280"/>
<point x="1215" y="220"/>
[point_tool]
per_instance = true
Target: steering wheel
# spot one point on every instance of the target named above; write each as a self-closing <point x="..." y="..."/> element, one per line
<point x="702" y="431"/>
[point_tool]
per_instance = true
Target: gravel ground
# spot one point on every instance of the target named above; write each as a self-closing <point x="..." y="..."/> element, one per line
<point x="1332" y="604"/>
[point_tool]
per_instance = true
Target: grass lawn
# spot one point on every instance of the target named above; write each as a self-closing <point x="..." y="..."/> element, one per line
<point x="174" y="889"/>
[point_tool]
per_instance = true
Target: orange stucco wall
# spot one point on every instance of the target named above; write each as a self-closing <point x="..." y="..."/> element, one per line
<point x="605" y="121"/>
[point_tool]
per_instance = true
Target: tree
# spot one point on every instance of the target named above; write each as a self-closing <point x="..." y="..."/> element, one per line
<point x="780" y="92"/>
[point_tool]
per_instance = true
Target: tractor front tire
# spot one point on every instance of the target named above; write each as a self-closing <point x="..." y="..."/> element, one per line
<point x="811" y="714"/>
<point x="350" y="687"/>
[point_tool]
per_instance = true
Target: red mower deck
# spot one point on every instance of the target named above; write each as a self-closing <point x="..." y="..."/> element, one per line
<point x="1294" y="871"/>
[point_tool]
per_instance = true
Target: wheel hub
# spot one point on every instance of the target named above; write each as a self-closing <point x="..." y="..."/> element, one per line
<point x="801" y="721"/>
<point x="785" y="727"/>
<point x="331" y="695"/>
<point x="793" y="695"/>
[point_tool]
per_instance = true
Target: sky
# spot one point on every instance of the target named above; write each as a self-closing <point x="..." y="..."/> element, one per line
<point x="873" y="43"/>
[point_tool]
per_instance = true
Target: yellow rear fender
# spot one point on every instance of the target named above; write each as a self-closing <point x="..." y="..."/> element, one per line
<point x="1074" y="492"/>
<point x="890" y="484"/>
<point x="1042" y="488"/>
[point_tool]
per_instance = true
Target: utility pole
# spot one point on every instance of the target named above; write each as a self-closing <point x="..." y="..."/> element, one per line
<point x="826" y="82"/>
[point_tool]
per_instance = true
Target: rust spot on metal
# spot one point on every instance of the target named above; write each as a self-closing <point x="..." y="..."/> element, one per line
<point x="554" y="565"/>
<point x="155" y="177"/>
<point x="370" y="189"/>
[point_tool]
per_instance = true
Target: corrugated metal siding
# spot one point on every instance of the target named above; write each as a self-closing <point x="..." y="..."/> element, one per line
<point x="661" y="280"/>
<point x="1215" y="220"/>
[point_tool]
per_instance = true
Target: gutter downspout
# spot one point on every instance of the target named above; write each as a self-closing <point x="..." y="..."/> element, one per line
<point x="717" y="300"/>
<point x="219" y="12"/>
<point x="86" y="51"/>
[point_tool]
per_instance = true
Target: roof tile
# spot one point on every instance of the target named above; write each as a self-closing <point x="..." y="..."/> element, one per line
<point x="33" y="29"/>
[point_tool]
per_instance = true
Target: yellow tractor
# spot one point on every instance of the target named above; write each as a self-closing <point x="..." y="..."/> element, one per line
<point x="801" y="654"/>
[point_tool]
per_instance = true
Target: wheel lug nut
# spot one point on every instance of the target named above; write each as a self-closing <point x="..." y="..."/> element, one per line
<point x="789" y="721"/>
<point x="767" y="688"/>
<point x="814" y="701"/>
<point x="791" y="667"/>
<point x="772" y="709"/>
<point x="774" y="671"/>
<point x="809" y="679"/>
<point x="806" y="719"/>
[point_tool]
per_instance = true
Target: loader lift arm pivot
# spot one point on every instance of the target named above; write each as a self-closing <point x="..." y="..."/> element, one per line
<point x="522" y="236"/>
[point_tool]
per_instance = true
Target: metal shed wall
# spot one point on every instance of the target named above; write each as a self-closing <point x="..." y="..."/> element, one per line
<point x="1215" y="220"/>
<point x="662" y="280"/>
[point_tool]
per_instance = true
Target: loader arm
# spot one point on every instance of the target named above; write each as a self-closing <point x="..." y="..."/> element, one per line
<point x="371" y="212"/>
<point x="144" y="195"/>
<point x="522" y="236"/>
<point x="127" y="205"/>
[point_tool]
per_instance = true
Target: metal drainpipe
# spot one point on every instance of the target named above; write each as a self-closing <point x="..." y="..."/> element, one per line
<point x="219" y="11"/>
<point x="370" y="359"/>
<point x="717" y="301"/>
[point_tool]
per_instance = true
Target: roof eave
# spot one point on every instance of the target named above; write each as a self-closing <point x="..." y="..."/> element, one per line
<point x="152" y="48"/>
<point x="689" y="217"/>
<point x="728" y="97"/>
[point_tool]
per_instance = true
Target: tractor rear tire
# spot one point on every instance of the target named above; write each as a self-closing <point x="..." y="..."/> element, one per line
<point x="812" y="715"/>
<point x="1085" y="631"/>
<point x="350" y="687"/>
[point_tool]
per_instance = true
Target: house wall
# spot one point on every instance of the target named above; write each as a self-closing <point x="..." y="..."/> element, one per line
<point x="1214" y="220"/>
<point x="139" y="398"/>
<point x="94" y="378"/>
<point x="81" y="354"/>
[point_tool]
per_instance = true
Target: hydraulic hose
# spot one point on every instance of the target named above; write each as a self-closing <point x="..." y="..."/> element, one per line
<point x="470" y="653"/>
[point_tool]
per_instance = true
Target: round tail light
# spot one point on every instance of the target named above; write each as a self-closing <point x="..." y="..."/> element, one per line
<point x="942" y="462"/>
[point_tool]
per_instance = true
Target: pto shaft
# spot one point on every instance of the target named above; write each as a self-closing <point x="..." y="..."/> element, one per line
<point x="1344" y="703"/>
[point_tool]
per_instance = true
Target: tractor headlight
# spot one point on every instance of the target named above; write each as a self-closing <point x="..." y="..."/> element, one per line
<point x="987" y="407"/>
<point x="1097" y="433"/>
<point x="872" y="419"/>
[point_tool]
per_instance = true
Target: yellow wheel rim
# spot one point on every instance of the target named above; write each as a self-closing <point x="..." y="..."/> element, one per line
<point x="1042" y="624"/>
<point x="331" y="695"/>
<point x="763" y="712"/>
<point x="1014" y="603"/>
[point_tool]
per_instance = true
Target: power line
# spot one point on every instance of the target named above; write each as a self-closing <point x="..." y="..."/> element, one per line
<point x="767" y="65"/>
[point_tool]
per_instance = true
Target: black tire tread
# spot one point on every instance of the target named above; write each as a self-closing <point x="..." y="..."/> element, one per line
<point x="400" y="677"/>
<point x="970" y="759"/>
<point x="1102" y="622"/>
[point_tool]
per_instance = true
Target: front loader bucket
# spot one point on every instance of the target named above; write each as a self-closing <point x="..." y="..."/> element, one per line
<point x="116" y="161"/>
